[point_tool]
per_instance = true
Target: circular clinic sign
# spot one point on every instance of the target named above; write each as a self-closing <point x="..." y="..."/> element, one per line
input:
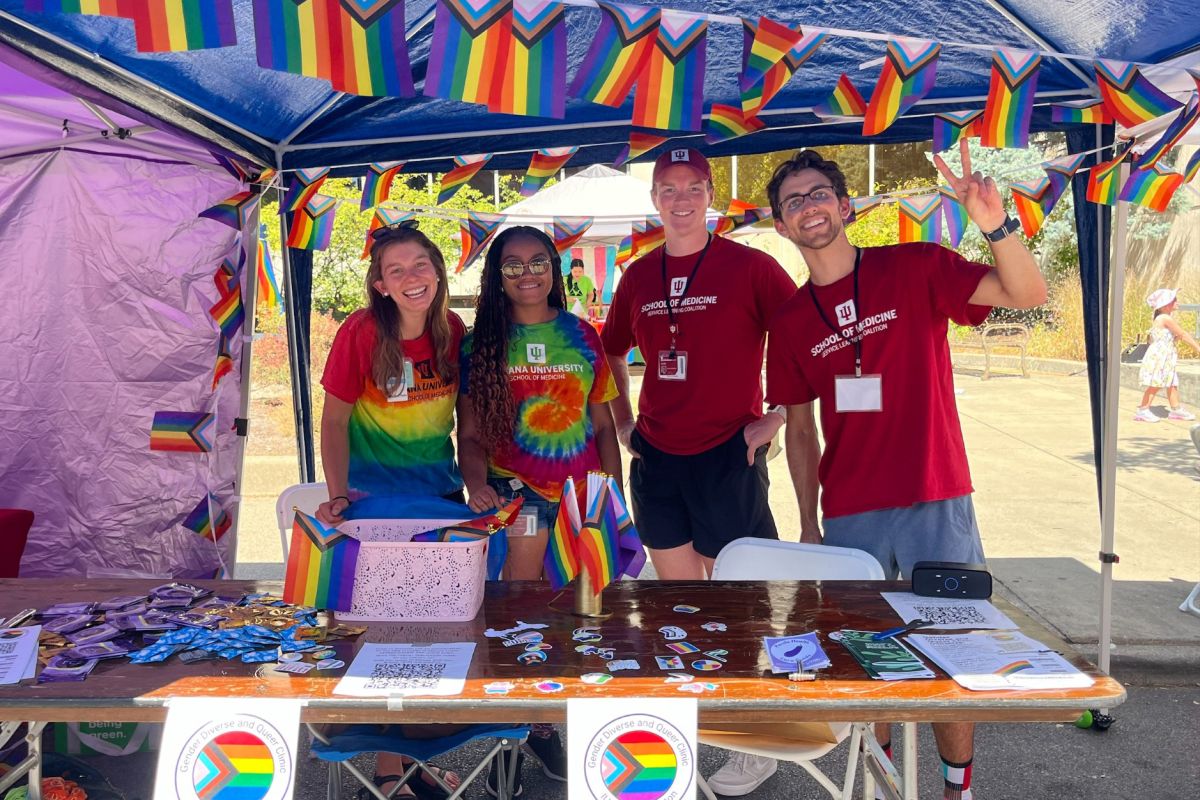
<point x="243" y="757"/>
<point x="639" y="756"/>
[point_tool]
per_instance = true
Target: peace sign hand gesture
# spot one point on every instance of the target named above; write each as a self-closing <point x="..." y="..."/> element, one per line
<point x="978" y="194"/>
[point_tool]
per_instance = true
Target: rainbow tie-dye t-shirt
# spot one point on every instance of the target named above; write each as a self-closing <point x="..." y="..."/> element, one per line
<point x="555" y="370"/>
<point x="398" y="447"/>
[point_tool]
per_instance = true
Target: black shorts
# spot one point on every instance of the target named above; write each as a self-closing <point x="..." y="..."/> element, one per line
<point x="708" y="499"/>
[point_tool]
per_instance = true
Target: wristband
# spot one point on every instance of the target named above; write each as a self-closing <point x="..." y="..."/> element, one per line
<point x="333" y="500"/>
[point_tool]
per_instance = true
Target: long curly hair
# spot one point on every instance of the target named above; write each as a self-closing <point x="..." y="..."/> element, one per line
<point x="491" y="395"/>
<point x="387" y="360"/>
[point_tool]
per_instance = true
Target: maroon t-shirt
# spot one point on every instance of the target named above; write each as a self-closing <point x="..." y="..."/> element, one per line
<point x="912" y="451"/>
<point x="722" y="323"/>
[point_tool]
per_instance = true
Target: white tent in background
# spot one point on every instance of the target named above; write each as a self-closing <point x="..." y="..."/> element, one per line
<point x="614" y="199"/>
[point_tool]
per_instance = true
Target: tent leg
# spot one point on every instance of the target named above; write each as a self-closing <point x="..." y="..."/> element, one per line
<point x="1112" y="396"/>
<point x="296" y="360"/>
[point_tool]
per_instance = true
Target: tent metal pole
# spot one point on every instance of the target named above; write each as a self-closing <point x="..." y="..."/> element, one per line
<point x="57" y="143"/>
<point x="1041" y="42"/>
<point x="99" y="114"/>
<point x="1112" y="394"/>
<point x="293" y="336"/>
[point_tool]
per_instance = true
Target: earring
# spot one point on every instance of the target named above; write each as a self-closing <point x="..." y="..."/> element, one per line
<point x="383" y="294"/>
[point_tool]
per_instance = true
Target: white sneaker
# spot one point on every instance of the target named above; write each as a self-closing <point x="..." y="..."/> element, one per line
<point x="1181" y="413"/>
<point x="742" y="774"/>
<point x="1144" y="415"/>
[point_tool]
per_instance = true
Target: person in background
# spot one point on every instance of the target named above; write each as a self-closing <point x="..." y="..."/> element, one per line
<point x="581" y="291"/>
<point x="1160" y="364"/>
<point x="533" y="410"/>
<point x="698" y="308"/>
<point x="391" y="384"/>
<point x="867" y="336"/>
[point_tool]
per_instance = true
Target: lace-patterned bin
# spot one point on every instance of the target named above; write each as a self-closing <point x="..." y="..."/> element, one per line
<point x="414" y="581"/>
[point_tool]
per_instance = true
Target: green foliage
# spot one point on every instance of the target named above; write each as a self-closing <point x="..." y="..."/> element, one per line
<point x="339" y="271"/>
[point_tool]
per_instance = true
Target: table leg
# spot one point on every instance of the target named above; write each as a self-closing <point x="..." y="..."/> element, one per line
<point x="880" y="771"/>
<point x="31" y="765"/>
<point x="910" y="761"/>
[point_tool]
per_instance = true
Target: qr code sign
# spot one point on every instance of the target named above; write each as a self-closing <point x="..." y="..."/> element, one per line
<point x="952" y="616"/>
<point x="7" y="648"/>
<point x="405" y="677"/>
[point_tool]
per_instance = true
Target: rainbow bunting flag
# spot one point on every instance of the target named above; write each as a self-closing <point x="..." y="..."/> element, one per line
<point x="302" y="186"/>
<point x="321" y="565"/>
<point x="1059" y="171"/>
<point x="159" y="26"/>
<point x="475" y="232"/>
<point x="755" y="96"/>
<point x="1192" y="168"/>
<point x="861" y="206"/>
<point x="229" y="313"/>
<point x="568" y="231"/>
<point x="182" y="431"/>
<point x="377" y="184"/>
<point x="465" y="168"/>
<point x="1103" y="185"/>
<point x="1030" y="197"/>
<point x="618" y="55"/>
<point x="226" y="276"/>
<point x="264" y="272"/>
<point x="763" y="46"/>
<point x="670" y="90"/>
<point x="624" y="250"/>
<point x="233" y="166"/>
<point x="200" y="519"/>
<point x="728" y="122"/>
<point x="1128" y="97"/>
<point x="909" y="72"/>
<point x="650" y="237"/>
<point x="234" y="211"/>
<point x="1010" y="98"/>
<point x="598" y="542"/>
<point x="743" y="215"/>
<point x="639" y="142"/>
<point x="561" y="563"/>
<point x="1174" y="132"/>
<point x="224" y="362"/>
<point x="919" y="218"/>
<point x="954" y="216"/>
<point x="536" y="83"/>
<point x="844" y="101"/>
<point x="542" y="167"/>
<point x="1093" y="113"/>
<point x="312" y="226"/>
<point x="719" y="226"/>
<point x="1152" y="187"/>
<point x="358" y="46"/>
<point x="382" y="217"/>
<point x="470" y="52"/>
<point x="950" y="126"/>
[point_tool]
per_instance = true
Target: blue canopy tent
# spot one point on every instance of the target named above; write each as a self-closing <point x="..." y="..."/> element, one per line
<point x="223" y="100"/>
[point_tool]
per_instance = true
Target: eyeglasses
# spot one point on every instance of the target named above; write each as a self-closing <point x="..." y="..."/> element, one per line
<point x="385" y="231"/>
<point x="797" y="201"/>
<point x="538" y="265"/>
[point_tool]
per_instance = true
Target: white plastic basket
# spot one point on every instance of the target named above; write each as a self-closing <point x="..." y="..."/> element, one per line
<point x="400" y="580"/>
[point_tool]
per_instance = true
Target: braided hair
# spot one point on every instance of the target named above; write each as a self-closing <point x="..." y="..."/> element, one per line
<point x="491" y="395"/>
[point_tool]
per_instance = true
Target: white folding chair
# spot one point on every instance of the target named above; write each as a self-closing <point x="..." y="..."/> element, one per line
<point x="803" y="743"/>
<point x="304" y="496"/>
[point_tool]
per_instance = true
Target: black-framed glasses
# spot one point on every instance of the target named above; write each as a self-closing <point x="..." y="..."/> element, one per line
<point x="538" y="265"/>
<point x="797" y="200"/>
<point x="384" y="231"/>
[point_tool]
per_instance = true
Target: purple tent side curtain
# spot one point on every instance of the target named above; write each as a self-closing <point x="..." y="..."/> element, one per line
<point x="1093" y="227"/>
<point x="113" y="272"/>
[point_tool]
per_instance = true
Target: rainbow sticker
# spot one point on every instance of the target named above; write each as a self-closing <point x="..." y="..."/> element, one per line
<point x="639" y="765"/>
<point x="234" y="766"/>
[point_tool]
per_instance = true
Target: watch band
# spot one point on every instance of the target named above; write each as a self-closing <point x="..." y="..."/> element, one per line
<point x="1006" y="229"/>
<point x="781" y="410"/>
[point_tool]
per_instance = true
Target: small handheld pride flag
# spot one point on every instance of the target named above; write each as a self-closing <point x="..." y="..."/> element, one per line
<point x="182" y="431"/>
<point x="561" y="563"/>
<point x="321" y="565"/>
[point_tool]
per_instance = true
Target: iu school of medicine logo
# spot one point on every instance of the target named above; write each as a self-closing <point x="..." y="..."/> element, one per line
<point x="639" y="757"/>
<point x="240" y="758"/>
<point x="846" y="313"/>
<point x="535" y="353"/>
<point x="678" y="285"/>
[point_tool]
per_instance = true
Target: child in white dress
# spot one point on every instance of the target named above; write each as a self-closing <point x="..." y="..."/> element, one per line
<point x="1159" y="364"/>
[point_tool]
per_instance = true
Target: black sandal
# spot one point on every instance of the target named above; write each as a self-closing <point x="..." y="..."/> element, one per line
<point x="424" y="790"/>
<point x="382" y="780"/>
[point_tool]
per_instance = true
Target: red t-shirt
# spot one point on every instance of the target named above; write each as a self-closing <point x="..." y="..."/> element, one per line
<point x="912" y="451"/>
<point x="722" y="323"/>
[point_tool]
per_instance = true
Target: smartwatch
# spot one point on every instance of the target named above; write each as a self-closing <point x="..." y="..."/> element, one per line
<point x="780" y="410"/>
<point x="1008" y="227"/>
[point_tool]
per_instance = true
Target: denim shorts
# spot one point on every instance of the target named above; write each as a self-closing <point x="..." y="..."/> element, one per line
<point x="944" y="530"/>
<point x="546" y="510"/>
